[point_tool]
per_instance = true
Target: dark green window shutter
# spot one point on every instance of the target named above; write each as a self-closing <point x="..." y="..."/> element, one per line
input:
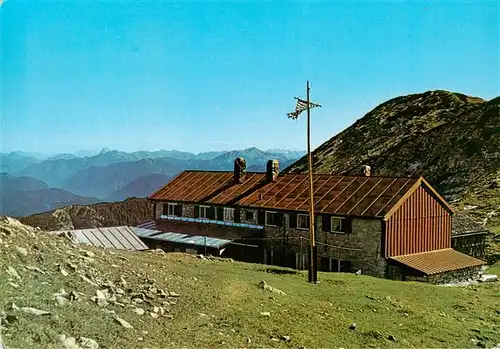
<point x="327" y="223"/>
<point x="293" y="220"/>
<point x="348" y="225"/>
<point x="178" y="210"/>
<point x="261" y="217"/>
<point x="220" y="213"/>
<point x="236" y="215"/>
<point x="211" y="213"/>
<point x="196" y="211"/>
<point x="279" y="219"/>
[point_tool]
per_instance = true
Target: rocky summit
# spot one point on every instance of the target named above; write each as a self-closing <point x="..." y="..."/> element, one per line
<point x="451" y="139"/>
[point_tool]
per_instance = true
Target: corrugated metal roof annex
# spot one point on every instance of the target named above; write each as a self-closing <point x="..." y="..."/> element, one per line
<point x="341" y="195"/>
<point x="195" y="240"/>
<point x="121" y="238"/>
<point x="439" y="261"/>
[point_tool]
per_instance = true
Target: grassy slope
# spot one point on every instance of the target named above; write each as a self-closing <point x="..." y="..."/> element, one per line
<point x="416" y="314"/>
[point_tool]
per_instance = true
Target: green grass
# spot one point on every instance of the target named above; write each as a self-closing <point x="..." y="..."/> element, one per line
<point x="416" y="314"/>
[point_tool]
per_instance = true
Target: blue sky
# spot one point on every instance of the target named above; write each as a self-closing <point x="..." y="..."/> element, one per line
<point x="214" y="76"/>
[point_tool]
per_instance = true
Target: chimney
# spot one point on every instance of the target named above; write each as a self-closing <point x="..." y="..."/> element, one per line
<point x="240" y="170"/>
<point x="366" y="170"/>
<point x="272" y="170"/>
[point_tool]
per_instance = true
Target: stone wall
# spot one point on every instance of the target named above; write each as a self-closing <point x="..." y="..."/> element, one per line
<point x="466" y="274"/>
<point x="362" y="247"/>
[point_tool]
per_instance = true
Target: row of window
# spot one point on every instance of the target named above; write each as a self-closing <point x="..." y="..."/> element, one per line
<point x="272" y="219"/>
<point x="336" y="225"/>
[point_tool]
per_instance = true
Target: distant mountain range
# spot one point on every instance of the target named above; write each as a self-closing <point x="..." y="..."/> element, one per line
<point x="140" y="188"/>
<point x="110" y="175"/>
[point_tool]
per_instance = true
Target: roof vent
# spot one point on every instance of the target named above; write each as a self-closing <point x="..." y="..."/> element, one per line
<point x="240" y="170"/>
<point x="366" y="170"/>
<point x="272" y="170"/>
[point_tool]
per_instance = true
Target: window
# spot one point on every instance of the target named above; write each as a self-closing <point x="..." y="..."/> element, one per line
<point x="204" y="211"/>
<point x="171" y="209"/>
<point x="228" y="214"/>
<point x="337" y="225"/>
<point x="303" y="221"/>
<point x="271" y="219"/>
<point x="250" y="215"/>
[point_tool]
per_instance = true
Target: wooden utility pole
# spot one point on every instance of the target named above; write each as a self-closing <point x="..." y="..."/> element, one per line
<point x="313" y="274"/>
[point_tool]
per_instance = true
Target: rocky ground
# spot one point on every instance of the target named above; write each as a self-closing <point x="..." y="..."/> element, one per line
<point x="54" y="294"/>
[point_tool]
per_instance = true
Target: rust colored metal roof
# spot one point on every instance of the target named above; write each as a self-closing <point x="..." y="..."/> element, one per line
<point x="347" y="196"/>
<point x="341" y="195"/>
<point x="439" y="261"/>
<point x="209" y="187"/>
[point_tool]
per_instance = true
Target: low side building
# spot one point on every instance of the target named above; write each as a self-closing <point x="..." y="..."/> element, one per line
<point x="468" y="236"/>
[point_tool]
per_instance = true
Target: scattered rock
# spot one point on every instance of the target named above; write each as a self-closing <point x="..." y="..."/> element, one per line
<point x="353" y="326"/>
<point x="89" y="253"/>
<point x="22" y="251"/>
<point x="173" y="294"/>
<point x="13" y="273"/>
<point x="68" y="342"/>
<point x="64" y="272"/>
<point x="86" y="279"/>
<point x="263" y="285"/>
<point x="61" y="301"/>
<point x="122" y="322"/>
<point x="358" y="272"/>
<point x="488" y="278"/>
<point x="391" y="338"/>
<point x="139" y="311"/>
<point x="38" y="270"/>
<point x="154" y="315"/>
<point x="286" y="338"/>
<point x="249" y="340"/>
<point x="34" y="311"/>
<point x="88" y="343"/>
<point x="265" y="313"/>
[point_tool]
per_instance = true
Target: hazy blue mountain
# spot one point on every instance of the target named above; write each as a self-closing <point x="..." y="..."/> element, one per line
<point x="35" y="155"/>
<point x="16" y="161"/>
<point x="141" y="187"/>
<point x="209" y="155"/>
<point x="253" y="156"/>
<point x="63" y="156"/>
<point x="176" y="154"/>
<point x="24" y="203"/>
<point x="11" y="183"/>
<point x="288" y="153"/>
<point x="262" y="167"/>
<point x="20" y="196"/>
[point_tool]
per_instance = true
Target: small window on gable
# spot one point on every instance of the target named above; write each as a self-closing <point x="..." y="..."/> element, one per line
<point x="303" y="221"/>
<point x="204" y="212"/>
<point x="338" y="225"/>
<point x="250" y="215"/>
<point x="271" y="219"/>
<point x="228" y="214"/>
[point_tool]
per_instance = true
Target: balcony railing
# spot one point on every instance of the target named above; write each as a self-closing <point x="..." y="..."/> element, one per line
<point x="211" y="221"/>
